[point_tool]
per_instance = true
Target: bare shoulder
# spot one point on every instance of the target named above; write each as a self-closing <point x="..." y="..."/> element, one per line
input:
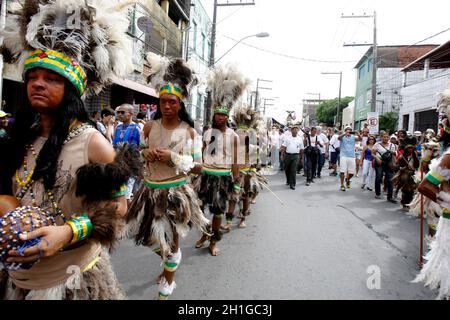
<point x="100" y="150"/>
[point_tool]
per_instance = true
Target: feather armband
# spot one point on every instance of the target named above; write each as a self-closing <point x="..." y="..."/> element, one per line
<point x="182" y="163"/>
<point x="434" y="178"/>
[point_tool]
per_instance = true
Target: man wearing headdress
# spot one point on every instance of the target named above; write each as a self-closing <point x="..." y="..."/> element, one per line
<point x="166" y="205"/>
<point x="54" y="153"/>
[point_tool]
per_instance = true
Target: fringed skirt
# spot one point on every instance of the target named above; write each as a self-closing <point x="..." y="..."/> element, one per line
<point x="215" y="191"/>
<point x="157" y="214"/>
<point x="97" y="283"/>
<point x="436" y="271"/>
<point x="252" y="183"/>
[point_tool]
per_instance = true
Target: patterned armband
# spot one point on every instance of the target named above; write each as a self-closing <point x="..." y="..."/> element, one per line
<point x="81" y="228"/>
<point x="122" y="191"/>
<point x="434" y="178"/>
<point x="237" y="186"/>
<point x="446" y="213"/>
<point x="447" y="129"/>
<point x="426" y="160"/>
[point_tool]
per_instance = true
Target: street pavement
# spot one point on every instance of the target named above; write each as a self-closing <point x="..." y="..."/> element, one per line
<point x="322" y="243"/>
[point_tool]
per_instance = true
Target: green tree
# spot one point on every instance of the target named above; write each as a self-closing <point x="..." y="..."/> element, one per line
<point x="328" y="109"/>
<point x="388" y="122"/>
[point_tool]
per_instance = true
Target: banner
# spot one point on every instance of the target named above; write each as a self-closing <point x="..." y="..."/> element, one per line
<point x="373" y="123"/>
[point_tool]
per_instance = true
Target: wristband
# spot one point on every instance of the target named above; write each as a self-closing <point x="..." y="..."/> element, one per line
<point x="446" y="129"/>
<point x="434" y="178"/>
<point x="426" y="160"/>
<point x="237" y="186"/>
<point x="81" y="227"/>
<point x="122" y="191"/>
<point x="142" y="154"/>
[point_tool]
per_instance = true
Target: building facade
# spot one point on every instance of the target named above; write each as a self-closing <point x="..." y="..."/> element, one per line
<point x="310" y="107"/>
<point x="197" y="53"/>
<point x="391" y="59"/>
<point x="424" y="80"/>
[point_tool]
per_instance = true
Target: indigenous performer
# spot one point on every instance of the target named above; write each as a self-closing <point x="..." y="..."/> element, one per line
<point x="405" y="178"/>
<point x="54" y="154"/>
<point x="246" y="120"/>
<point x="166" y="205"/>
<point x="436" y="271"/>
<point x="219" y="183"/>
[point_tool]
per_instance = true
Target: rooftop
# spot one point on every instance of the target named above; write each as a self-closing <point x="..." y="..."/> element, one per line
<point x="439" y="59"/>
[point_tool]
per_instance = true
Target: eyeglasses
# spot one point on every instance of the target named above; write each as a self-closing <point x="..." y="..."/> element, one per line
<point x="120" y="112"/>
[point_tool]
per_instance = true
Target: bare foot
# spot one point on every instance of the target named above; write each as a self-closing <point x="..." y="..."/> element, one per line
<point x="160" y="278"/>
<point x="199" y="244"/>
<point x="213" y="249"/>
<point x="227" y="227"/>
<point x="254" y="201"/>
<point x="242" y="224"/>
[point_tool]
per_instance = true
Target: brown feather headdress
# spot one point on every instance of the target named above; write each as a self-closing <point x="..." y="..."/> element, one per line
<point x="90" y="35"/>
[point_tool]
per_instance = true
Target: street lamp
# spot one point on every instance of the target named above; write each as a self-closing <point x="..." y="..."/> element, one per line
<point x="339" y="99"/>
<point x="258" y="35"/>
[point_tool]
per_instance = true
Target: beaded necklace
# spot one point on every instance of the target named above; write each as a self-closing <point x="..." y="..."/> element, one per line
<point x="27" y="184"/>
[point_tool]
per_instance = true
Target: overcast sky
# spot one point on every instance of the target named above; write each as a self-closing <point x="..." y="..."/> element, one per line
<point x="315" y="30"/>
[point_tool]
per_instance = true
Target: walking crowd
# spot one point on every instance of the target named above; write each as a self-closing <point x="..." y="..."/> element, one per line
<point x="71" y="187"/>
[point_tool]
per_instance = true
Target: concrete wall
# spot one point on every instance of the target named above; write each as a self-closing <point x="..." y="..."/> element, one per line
<point x="422" y="95"/>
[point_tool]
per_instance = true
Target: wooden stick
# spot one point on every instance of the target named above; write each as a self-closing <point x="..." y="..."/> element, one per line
<point x="421" y="221"/>
<point x="282" y="203"/>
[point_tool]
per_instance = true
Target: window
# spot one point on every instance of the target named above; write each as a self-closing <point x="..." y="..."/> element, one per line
<point x="194" y="38"/>
<point x="370" y="65"/>
<point x="198" y="114"/>
<point x="405" y="122"/>
<point x="369" y="96"/>
<point x="203" y="45"/>
<point x="361" y="71"/>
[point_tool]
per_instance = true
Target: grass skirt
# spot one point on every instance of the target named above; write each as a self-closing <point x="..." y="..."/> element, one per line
<point x="155" y="214"/>
<point x="97" y="283"/>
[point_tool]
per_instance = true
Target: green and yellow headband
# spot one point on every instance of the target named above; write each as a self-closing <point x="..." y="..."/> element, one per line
<point x="223" y="110"/>
<point x="59" y="63"/>
<point x="171" y="89"/>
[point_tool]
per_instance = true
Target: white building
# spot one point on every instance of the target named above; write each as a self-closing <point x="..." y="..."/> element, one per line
<point x="423" y="81"/>
<point x="348" y="115"/>
<point x="199" y="40"/>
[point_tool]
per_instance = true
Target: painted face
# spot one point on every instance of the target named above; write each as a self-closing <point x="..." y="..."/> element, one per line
<point x="45" y="89"/>
<point x="169" y="105"/>
<point x="220" y="119"/>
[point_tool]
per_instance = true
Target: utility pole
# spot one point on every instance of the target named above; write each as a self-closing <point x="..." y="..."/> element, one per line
<point x="257" y="91"/>
<point x="375" y="56"/>
<point x="2" y="26"/>
<point x="208" y="106"/>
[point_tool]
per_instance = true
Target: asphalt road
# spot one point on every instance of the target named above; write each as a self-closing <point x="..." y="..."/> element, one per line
<point x="321" y="244"/>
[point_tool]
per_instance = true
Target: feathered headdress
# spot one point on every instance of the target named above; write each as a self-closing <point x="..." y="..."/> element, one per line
<point x="246" y="118"/>
<point x="227" y="84"/>
<point x="443" y="105"/>
<point x="85" y="41"/>
<point x="171" y="75"/>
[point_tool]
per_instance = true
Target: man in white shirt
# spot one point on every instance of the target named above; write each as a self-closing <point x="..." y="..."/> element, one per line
<point x="335" y="145"/>
<point x="283" y="136"/>
<point x="323" y="147"/>
<point x="291" y="153"/>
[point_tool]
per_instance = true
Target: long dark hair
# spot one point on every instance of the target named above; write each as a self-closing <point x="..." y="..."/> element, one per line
<point x="214" y="124"/>
<point x="182" y="114"/>
<point x="27" y="128"/>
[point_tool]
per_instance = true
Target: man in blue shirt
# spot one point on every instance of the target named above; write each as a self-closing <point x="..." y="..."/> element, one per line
<point x="348" y="156"/>
<point x="128" y="131"/>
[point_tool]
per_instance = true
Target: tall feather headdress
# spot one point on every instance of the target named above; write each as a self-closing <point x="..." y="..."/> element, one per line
<point x="227" y="85"/>
<point x="171" y="75"/>
<point x="246" y="118"/>
<point x="83" y="40"/>
<point x="443" y="105"/>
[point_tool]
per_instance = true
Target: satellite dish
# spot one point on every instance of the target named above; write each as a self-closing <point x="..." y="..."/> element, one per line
<point x="145" y="24"/>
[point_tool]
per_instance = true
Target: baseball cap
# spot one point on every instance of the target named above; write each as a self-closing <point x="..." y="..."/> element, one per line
<point x="4" y="114"/>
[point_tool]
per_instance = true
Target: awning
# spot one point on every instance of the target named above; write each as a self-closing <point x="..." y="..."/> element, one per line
<point x="135" y="86"/>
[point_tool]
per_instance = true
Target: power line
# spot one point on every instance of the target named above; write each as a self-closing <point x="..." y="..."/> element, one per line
<point x="289" y="56"/>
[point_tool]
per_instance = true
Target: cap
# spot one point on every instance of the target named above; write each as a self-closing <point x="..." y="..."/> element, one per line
<point x="4" y="114"/>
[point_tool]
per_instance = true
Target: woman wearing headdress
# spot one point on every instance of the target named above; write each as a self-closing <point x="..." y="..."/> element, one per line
<point x="436" y="271"/>
<point x="247" y="120"/>
<point x="166" y="205"/>
<point x="405" y="178"/>
<point x="56" y="159"/>
<point x="219" y="182"/>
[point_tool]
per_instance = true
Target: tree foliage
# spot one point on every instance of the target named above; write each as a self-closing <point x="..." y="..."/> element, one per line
<point x="388" y="122"/>
<point x="328" y="109"/>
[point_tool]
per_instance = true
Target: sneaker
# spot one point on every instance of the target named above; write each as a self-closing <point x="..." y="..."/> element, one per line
<point x="343" y="188"/>
<point x="363" y="186"/>
<point x="307" y="184"/>
<point x="370" y="189"/>
<point x="391" y="200"/>
<point x="165" y="290"/>
<point x="319" y="177"/>
<point x="348" y="184"/>
<point x="377" y="197"/>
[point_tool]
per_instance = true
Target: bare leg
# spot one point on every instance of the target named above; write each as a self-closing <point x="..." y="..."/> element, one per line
<point x="213" y="249"/>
